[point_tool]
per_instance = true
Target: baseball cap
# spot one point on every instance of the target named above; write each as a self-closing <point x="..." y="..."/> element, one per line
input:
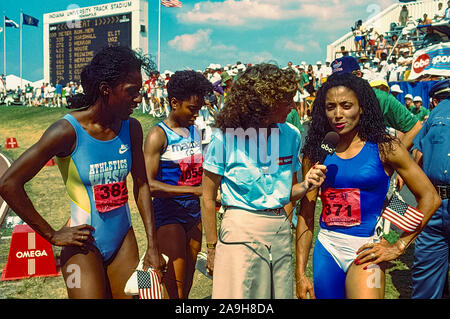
<point x="408" y="96"/>
<point x="375" y="83"/>
<point x="225" y="76"/>
<point x="345" y="64"/>
<point x="396" y="88"/>
<point x="440" y="87"/>
<point x="417" y="98"/>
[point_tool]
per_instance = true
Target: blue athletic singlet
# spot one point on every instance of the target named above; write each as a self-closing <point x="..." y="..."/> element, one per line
<point x="356" y="183"/>
<point x="180" y="164"/>
<point x="352" y="197"/>
<point x="95" y="179"/>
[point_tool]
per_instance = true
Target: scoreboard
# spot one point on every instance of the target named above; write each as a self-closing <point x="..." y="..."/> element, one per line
<point x="73" y="44"/>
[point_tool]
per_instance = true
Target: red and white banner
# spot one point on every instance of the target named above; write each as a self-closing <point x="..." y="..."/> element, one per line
<point x="433" y="60"/>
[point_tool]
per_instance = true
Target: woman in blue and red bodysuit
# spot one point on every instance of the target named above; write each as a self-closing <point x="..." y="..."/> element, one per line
<point x="348" y="259"/>
<point x="96" y="146"/>
<point x="173" y="157"/>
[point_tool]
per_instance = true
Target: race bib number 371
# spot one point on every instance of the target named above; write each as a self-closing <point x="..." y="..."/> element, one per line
<point x="341" y="207"/>
<point x="110" y="196"/>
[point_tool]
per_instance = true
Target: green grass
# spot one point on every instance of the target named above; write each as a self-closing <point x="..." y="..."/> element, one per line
<point x="47" y="193"/>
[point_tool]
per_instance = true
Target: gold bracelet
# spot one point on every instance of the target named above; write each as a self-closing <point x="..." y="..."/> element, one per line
<point x="211" y="245"/>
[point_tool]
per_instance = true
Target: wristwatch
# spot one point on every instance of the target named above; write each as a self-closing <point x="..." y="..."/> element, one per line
<point x="211" y="245"/>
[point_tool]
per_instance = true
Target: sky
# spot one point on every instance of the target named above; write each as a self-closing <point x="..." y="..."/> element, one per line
<point x="209" y="31"/>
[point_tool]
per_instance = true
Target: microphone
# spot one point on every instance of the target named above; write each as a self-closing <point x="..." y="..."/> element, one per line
<point x="328" y="145"/>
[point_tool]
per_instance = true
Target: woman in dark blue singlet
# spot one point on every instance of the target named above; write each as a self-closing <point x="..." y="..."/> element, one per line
<point x="348" y="260"/>
<point x="173" y="157"/>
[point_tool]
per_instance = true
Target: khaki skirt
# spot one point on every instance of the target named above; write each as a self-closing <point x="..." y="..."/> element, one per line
<point x="248" y="242"/>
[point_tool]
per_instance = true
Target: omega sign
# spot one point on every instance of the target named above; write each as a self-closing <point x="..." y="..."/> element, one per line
<point x="31" y="254"/>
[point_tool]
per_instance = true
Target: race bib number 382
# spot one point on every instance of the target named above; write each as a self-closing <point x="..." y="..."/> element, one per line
<point x="341" y="207"/>
<point x="110" y="196"/>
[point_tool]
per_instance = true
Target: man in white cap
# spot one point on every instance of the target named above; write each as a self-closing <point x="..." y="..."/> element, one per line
<point x="419" y="110"/>
<point x="395" y="90"/>
<point x="409" y="101"/>
<point x="320" y="74"/>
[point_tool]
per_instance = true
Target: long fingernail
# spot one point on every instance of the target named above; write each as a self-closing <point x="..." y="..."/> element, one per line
<point x="356" y="261"/>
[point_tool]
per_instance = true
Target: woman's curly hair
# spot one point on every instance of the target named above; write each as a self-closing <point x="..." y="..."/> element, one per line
<point x="256" y="94"/>
<point x="371" y="125"/>
<point x="111" y="65"/>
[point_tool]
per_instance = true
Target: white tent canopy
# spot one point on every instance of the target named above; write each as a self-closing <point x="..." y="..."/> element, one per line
<point x="13" y="81"/>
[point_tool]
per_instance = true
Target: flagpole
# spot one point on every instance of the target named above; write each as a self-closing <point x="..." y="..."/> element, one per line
<point x="4" y="44"/>
<point x="159" y="36"/>
<point x="21" y="18"/>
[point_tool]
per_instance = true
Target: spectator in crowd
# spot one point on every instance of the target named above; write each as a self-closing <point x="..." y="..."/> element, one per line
<point x="425" y="20"/>
<point x="347" y="252"/>
<point x="358" y="37"/>
<point x="319" y="71"/>
<point x="372" y="37"/>
<point x="342" y="52"/>
<point x="447" y="11"/>
<point x="432" y="149"/>
<point x="396" y="90"/>
<point x="173" y="157"/>
<point x="29" y="94"/>
<point x="303" y="84"/>
<point x="381" y="46"/>
<point x="419" y="110"/>
<point x="409" y="102"/>
<point x="392" y="44"/>
<point x="253" y="256"/>
<point x="403" y="17"/>
<point x="405" y="43"/>
<point x="431" y="37"/>
<point x="58" y="94"/>
<point x="440" y="13"/>
<point x="310" y="87"/>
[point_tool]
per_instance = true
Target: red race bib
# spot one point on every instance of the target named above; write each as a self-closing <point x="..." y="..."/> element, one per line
<point x="341" y="207"/>
<point x="191" y="171"/>
<point x="110" y="196"/>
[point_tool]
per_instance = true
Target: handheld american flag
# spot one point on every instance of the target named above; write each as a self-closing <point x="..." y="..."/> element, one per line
<point x="171" y="3"/>
<point x="148" y="284"/>
<point x="402" y="215"/>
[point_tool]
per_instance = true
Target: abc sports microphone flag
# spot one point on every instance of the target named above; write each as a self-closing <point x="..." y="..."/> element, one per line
<point x="402" y="215"/>
<point x="171" y="3"/>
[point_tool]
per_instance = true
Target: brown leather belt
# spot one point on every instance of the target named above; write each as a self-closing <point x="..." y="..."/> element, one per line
<point x="443" y="191"/>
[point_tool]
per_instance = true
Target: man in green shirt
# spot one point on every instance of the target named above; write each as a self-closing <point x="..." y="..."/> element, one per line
<point x="419" y="110"/>
<point x="304" y="81"/>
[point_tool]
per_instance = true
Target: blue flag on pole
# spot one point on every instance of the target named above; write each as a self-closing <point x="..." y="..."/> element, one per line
<point x="10" y="23"/>
<point x="29" y="20"/>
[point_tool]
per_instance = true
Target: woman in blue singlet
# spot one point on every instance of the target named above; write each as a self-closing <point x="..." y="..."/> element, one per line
<point x="96" y="145"/>
<point x="173" y="157"/>
<point x="348" y="259"/>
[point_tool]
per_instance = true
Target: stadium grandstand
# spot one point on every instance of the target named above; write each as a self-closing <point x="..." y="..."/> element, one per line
<point x="395" y="36"/>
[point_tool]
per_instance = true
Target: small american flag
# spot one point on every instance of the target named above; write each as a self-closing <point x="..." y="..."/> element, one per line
<point x="402" y="215"/>
<point x="148" y="284"/>
<point x="171" y="3"/>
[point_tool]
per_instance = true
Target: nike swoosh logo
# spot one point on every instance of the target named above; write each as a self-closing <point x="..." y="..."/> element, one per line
<point x="123" y="149"/>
